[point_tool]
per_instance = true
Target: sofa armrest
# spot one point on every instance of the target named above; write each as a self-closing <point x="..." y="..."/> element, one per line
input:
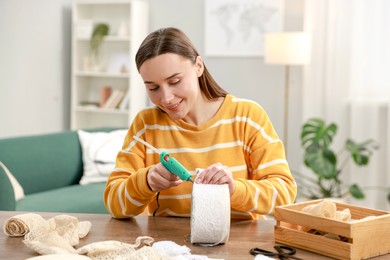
<point x="7" y="195"/>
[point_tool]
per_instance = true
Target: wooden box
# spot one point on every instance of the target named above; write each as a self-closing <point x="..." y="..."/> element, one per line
<point x="361" y="238"/>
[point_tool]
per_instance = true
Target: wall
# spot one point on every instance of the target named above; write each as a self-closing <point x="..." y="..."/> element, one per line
<point x="35" y="64"/>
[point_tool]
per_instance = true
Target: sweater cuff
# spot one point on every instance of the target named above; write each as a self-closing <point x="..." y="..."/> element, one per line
<point x="238" y="195"/>
<point x="142" y="183"/>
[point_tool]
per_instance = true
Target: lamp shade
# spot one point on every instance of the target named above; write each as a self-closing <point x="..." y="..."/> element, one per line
<point x="289" y="48"/>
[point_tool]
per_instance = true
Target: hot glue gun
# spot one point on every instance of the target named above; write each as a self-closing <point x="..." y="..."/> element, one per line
<point x="170" y="163"/>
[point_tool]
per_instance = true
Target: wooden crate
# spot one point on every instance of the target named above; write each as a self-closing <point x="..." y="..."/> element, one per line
<point x="362" y="238"/>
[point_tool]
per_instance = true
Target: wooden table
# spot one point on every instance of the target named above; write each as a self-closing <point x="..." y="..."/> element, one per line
<point x="243" y="235"/>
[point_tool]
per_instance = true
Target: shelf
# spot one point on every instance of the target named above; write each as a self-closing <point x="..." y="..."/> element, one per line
<point x="102" y="110"/>
<point x="108" y="38"/>
<point x="128" y="26"/>
<point x="101" y="74"/>
<point x="102" y="2"/>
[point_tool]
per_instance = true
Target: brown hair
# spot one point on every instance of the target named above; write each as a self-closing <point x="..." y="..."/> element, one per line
<point x="172" y="40"/>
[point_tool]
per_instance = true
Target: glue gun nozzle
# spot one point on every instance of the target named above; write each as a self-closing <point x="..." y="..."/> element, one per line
<point x="190" y="180"/>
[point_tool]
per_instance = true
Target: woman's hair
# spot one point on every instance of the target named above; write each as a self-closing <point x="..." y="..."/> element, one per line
<point x="172" y="40"/>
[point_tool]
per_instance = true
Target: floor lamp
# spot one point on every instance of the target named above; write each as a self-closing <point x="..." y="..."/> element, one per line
<point x="287" y="48"/>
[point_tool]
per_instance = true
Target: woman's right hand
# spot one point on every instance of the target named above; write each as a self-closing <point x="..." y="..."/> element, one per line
<point x="159" y="178"/>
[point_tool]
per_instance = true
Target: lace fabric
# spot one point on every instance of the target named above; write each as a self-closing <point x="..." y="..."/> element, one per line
<point x="20" y="225"/>
<point x="60" y="235"/>
<point x="112" y="249"/>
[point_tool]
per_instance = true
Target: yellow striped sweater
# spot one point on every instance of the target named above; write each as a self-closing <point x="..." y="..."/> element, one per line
<point x="240" y="136"/>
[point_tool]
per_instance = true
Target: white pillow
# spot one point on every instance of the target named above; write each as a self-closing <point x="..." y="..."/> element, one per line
<point x="18" y="189"/>
<point x="99" y="153"/>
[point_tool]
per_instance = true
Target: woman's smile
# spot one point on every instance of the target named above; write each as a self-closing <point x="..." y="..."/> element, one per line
<point x="174" y="107"/>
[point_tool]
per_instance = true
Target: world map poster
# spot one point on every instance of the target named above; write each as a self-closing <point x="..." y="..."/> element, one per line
<point x="237" y="27"/>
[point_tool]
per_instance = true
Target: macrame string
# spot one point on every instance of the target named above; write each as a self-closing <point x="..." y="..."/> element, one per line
<point x="210" y="214"/>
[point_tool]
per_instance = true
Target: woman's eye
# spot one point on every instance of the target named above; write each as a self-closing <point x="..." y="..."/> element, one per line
<point x="175" y="82"/>
<point x="153" y="88"/>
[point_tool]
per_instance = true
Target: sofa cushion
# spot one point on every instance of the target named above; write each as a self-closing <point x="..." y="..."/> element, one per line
<point x="73" y="199"/>
<point x="43" y="162"/>
<point x="99" y="150"/>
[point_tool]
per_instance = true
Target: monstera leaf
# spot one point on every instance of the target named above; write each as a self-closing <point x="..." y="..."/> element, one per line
<point x="361" y="152"/>
<point x="356" y="191"/>
<point x="316" y="139"/>
<point x="316" y="132"/>
<point x="322" y="162"/>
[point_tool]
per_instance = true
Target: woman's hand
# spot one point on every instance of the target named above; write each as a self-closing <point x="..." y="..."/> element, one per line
<point x="217" y="174"/>
<point x="159" y="178"/>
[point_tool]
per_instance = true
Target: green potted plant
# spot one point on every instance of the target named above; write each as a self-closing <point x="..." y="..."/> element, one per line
<point x="327" y="166"/>
<point x="99" y="32"/>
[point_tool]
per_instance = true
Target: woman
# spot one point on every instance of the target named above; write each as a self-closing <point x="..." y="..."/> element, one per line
<point x="202" y="126"/>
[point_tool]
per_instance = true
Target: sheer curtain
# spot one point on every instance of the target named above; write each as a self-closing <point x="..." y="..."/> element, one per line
<point x="346" y="82"/>
<point x="370" y="51"/>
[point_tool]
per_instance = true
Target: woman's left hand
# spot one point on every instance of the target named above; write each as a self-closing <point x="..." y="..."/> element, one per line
<point x="217" y="174"/>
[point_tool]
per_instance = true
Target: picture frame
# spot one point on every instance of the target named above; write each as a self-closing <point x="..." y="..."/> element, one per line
<point x="235" y="28"/>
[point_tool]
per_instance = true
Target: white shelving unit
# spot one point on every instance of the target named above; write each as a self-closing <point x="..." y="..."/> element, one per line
<point x="128" y="26"/>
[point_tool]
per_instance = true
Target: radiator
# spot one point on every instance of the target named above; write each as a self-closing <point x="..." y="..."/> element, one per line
<point x="370" y="119"/>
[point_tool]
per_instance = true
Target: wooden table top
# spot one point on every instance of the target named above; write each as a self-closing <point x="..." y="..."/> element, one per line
<point x="244" y="235"/>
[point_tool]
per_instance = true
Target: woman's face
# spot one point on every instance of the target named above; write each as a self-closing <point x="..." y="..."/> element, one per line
<point x="172" y="84"/>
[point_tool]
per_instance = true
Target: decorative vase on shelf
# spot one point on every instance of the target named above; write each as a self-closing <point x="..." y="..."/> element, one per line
<point x="97" y="63"/>
<point x="87" y="66"/>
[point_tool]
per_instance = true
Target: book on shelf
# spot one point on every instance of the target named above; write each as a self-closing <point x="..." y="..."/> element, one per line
<point x="124" y="104"/>
<point x="105" y="93"/>
<point x="115" y="98"/>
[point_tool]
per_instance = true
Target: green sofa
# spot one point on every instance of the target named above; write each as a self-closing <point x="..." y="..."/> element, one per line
<point x="49" y="168"/>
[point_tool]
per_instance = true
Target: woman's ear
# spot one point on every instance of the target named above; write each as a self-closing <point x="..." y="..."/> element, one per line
<point x="199" y="66"/>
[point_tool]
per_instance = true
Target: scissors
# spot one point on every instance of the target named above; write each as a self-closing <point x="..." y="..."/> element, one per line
<point x="284" y="252"/>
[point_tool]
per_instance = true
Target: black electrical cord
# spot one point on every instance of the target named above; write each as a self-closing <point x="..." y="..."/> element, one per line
<point x="158" y="205"/>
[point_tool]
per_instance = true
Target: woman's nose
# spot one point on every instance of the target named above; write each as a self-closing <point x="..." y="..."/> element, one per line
<point x="166" y="95"/>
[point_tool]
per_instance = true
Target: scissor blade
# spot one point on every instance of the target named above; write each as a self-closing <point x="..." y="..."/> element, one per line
<point x="290" y="256"/>
<point x="147" y="144"/>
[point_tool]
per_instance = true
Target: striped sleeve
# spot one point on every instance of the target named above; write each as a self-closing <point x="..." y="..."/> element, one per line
<point x="127" y="193"/>
<point x="270" y="182"/>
